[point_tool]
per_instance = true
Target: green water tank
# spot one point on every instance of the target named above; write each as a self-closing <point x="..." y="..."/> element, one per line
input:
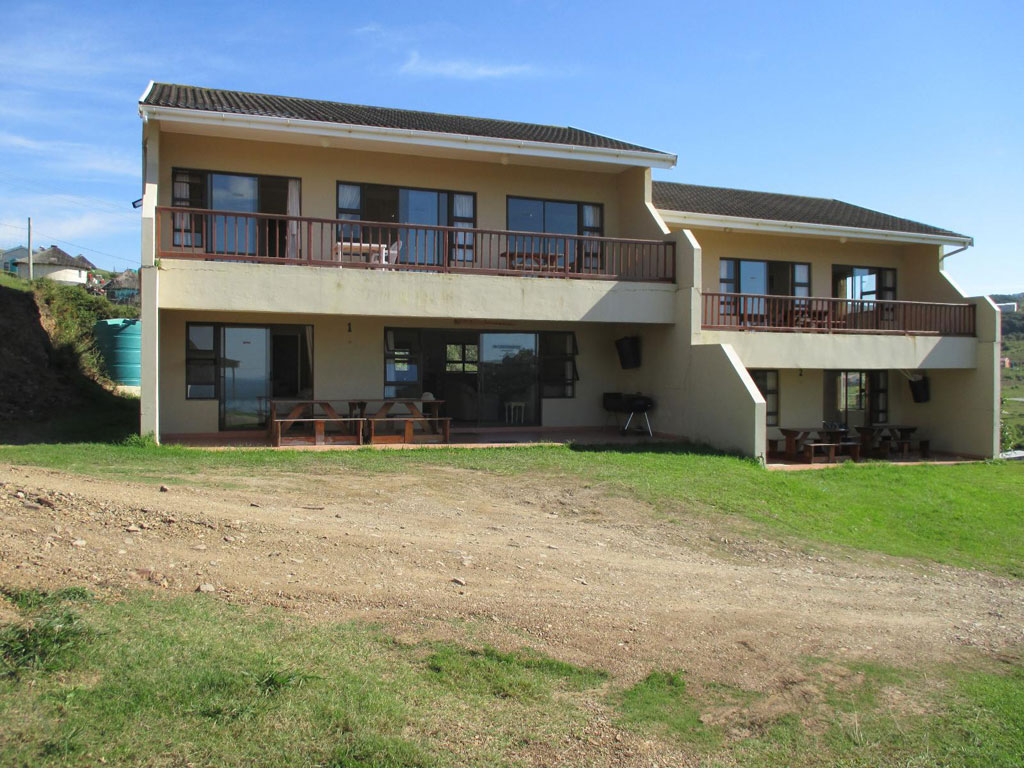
<point x="120" y="342"/>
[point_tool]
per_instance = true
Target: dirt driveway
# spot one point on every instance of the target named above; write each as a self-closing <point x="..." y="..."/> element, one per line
<point x="565" y="568"/>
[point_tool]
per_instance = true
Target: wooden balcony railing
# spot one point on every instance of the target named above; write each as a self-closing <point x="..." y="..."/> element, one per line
<point x="744" y="311"/>
<point x="186" y="233"/>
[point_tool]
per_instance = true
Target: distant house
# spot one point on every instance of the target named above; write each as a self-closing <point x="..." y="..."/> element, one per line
<point x="86" y="264"/>
<point x="9" y="258"/>
<point x="123" y="288"/>
<point x="54" y="264"/>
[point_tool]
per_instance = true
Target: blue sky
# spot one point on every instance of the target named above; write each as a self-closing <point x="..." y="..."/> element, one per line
<point x="912" y="108"/>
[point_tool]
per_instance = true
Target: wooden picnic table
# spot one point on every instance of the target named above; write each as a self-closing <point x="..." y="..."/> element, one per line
<point x="411" y="404"/>
<point x="797" y="436"/>
<point x="870" y="434"/>
<point x="424" y="412"/>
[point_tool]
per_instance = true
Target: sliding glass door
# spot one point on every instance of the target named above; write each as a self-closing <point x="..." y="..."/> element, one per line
<point x="421" y="206"/>
<point x="245" y="377"/>
<point x="234" y="234"/>
<point x="259" y="363"/>
<point x="508" y="379"/>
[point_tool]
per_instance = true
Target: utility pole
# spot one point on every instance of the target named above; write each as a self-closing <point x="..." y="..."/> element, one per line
<point x="30" y="248"/>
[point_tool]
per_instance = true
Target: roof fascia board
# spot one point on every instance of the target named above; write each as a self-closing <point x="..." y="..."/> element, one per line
<point x="682" y="218"/>
<point x="408" y="136"/>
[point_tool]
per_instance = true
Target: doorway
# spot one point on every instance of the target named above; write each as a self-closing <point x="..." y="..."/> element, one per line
<point x="485" y="379"/>
<point x="856" y="398"/>
<point x="257" y="363"/>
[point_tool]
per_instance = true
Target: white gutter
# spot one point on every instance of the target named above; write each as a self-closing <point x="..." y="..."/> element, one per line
<point x="408" y="136"/>
<point x="740" y="223"/>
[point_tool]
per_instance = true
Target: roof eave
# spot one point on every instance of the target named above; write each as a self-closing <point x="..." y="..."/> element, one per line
<point x="740" y="223"/>
<point x="409" y="136"/>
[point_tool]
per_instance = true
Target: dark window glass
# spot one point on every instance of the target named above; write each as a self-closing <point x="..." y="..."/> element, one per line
<point x="878" y="395"/>
<point x="200" y="362"/>
<point x="558" y="373"/>
<point x="525" y="215"/>
<point x="768" y="384"/>
<point x="555" y="217"/>
<point x="402" y="363"/>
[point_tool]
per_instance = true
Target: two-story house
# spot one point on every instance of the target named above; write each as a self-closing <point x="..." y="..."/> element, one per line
<point x="301" y="250"/>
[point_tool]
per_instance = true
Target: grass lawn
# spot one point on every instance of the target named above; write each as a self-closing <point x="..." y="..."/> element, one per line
<point x="966" y="515"/>
<point x="136" y="679"/>
<point x="1013" y="387"/>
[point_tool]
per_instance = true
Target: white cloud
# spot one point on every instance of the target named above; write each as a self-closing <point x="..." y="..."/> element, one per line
<point x="66" y="157"/>
<point x="87" y="222"/>
<point x="65" y="216"/>
<point x="462" y="70"/>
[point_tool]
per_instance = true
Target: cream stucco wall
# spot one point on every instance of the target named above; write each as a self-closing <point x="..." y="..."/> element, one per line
<point x="219" y="286"/>
<point x="850" y="351"/>
<point x="321" y="168"/>
<point x="917" y="266"/>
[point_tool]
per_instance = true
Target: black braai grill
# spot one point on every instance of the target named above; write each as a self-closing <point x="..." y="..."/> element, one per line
<point x="633" y="404"/>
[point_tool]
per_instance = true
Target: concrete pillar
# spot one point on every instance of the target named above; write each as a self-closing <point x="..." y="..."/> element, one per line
<point x="149" y="412"/>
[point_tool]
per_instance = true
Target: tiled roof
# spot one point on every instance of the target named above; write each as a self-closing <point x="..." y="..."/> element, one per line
<point x="770" y="206"/>
<point x="240" y="103"/>
<point x="54" y="256"/>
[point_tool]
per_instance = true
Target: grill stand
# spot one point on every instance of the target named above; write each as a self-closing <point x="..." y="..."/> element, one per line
<point x="647" y="422"/>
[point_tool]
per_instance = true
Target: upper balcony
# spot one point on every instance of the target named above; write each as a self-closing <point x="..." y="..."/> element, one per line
<point x="224" y="261"/>
<point x="805" y="314"/>
<point x="260" y="238"/>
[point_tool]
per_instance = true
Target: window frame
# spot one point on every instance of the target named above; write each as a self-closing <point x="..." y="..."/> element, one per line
<point x="882" y="291"/>
<point x="566" y="360"/>
<point x="592" y="249"/>
<point x="757" y="374"/>
<point x="393" y="355"/>
<point x="208" y="244"/>
<point x="460" y="364"/>
<point x="581" y="231"/>
<point x="794" y="284"/>
<point x="212" y="357"/>
<point x="452" y="219"/>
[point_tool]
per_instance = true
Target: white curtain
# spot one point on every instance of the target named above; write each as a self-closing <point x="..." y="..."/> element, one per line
<point x="182" y="221"/>
<point x="294" y="212"/>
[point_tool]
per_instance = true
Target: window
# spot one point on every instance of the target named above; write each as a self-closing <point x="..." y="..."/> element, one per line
<point x="406" y="205"/>
<point x="350" y="206"/>
<point x="237" y="231"/>
<point x="863" y="283"/>
<point x="402" y="374"/>
<point x="526" y="214"/>
<point x="461" y="358"/>
<point x="463" y="217"/>
<point x="850" y="393"/>
<point x="764" y="278"/>
<point x="200" y="362"/>
<point x="188" y="191"/>
<point x="558" y="374"/>
<point x="768" y="384"/>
